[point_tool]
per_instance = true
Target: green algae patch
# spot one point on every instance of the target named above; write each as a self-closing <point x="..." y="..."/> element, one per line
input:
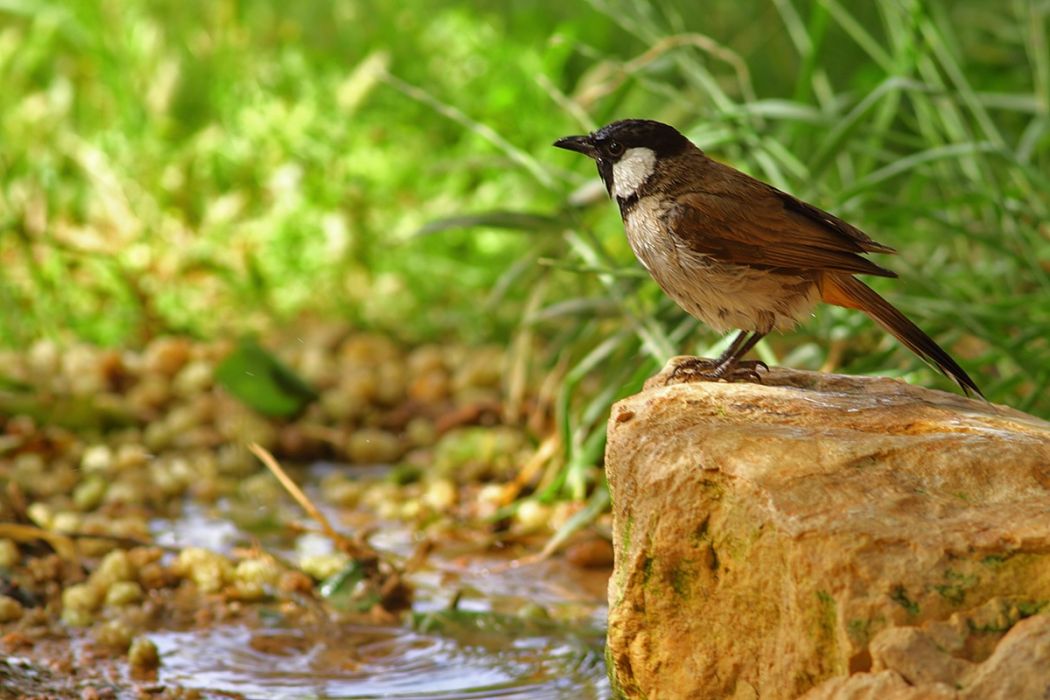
<point x="998" y="616"/>
<point x="995" y="560"/>
<point x="900" y="596"/>
<point x="861" y="630"/>
<point x="619" y="691"/>
<point x="702" y="534"/>
<point x="956" y="585"/>
<point x="969" y="581"/>
<point x="626" y="532"/>
<point x="1034" y="607"/>
<point x="647" y="570"/>
<point x="826" y="640"/>
<point x="685" y="577"/>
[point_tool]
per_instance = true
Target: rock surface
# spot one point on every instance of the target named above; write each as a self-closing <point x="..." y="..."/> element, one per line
<point x="853" y="537"/>
<point x="914" y="666"/>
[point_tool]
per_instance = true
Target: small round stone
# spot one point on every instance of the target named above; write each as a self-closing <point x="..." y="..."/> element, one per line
<point x="210" y="571"/>
<point x="10" y="609"/>
<point x="89" y="493"/>
<point x="143" y="654"/>
<point x="123" y="593"/>
<point x="321" y="566"/>
<point x="533" y="515"/>
<point x="373" y="446"/>
<point x="97" y="458"/>
<point x="79" y="602"/>
<point x="115" y="634"/>
<point x="9" y="554"/>
<point x="40" y="514"/>
<point x="66" y="521"/>
<point x="440" y="494"/>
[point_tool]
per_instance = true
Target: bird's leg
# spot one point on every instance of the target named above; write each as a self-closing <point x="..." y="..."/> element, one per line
<point x="734" y="352"/>
<point x="729" y="366"/>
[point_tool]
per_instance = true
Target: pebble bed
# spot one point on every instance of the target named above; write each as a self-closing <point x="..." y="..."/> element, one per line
<point x="96" y="444"/>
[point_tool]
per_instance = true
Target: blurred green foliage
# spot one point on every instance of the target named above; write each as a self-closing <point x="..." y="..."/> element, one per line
<point x="221" y="166"/>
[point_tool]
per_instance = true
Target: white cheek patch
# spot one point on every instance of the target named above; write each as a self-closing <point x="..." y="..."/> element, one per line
<point x="633" y="169"/>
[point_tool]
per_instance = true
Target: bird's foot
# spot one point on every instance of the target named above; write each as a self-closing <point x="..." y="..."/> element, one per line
<point x="702" y="369"/>
<point x="690" y="368"/>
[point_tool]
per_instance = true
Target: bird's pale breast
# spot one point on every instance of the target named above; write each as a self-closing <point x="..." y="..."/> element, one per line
<point x="722" y="295"/>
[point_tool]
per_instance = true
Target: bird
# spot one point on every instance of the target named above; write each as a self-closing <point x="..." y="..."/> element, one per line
<point x="735" y="252"/>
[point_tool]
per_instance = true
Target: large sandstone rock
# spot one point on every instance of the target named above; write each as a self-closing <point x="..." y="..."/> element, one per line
<point x="877" y="538"/>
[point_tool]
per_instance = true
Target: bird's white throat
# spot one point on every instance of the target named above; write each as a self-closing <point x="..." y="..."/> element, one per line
<point x="632" y="170"/>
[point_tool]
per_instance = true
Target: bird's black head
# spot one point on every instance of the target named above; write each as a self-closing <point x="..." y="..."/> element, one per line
<point x="626" y="151"/>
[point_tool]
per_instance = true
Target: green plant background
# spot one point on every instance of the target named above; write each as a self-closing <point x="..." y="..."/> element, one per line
<point x="211" y="167"/>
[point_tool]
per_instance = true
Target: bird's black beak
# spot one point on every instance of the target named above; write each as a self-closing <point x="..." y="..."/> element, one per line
<point x="580" y="144"/>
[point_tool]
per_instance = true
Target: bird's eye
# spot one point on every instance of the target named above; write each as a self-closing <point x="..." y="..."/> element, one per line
<point x="614" y="148"/>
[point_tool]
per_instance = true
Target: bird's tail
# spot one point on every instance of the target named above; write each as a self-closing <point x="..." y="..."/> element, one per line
<point x="847" y="291"/>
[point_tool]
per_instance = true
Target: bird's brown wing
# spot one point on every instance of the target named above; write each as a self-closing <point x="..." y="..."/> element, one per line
<point x="740" y="220"/>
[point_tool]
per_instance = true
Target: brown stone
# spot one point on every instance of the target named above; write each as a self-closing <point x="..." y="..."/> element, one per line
<point x="1018" y="669"/>
<point x="884" y="685"/>
<point x="915" y="656"/>
<point x="770" y="537"/>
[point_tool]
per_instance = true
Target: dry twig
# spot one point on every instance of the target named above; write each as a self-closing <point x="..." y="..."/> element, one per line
<point x="353" y="547"/>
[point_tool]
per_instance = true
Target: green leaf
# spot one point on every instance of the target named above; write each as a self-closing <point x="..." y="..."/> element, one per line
<point x="262" y="382"/>
<point x="341" y="589"/>
<point x="597" y="504"/>
<point x="516" y="220"/>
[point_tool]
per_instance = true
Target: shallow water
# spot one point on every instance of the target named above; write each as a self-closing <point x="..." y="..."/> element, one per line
<point x="491" y="652"/>
<point x="369" y="662"/>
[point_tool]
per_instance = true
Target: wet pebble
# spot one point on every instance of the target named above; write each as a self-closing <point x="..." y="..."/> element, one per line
<point x="421" y="432"/>
<point x="193" y="379"/>
<point x="123" y="593"/>
<point x="97" y="459"/>
<point x="254" y="578"/>
<point x="148" y="395"/>
<point x="373" y="446"/>
<point x="426" y="358"/>
<point x="430" y="387"/>
<point x="40" y="514"/>
<point x="115" y="634"/>
<point x="10" y="609"/>
<point x="130" y="456"/>
<point x="166" y="356"/>
<point x="143" y="654"/>
<point x="340" y="490"/>
<point x="440" y="494"/>
<point x="208" y="570"/>
<point x="79" y="603"/>
<point x="115" y="567"/>
<point x="482" y="368"/>
<point x="532" y="516"/>
<point x="66" y="521"/>
<point x="89" y="493"/>
<point x="474" y="454"/>
<point x="9" y="555"/>
<point x="321" y="566"/>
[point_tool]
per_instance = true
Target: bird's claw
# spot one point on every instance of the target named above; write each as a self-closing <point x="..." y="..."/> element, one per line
<point x="693" y="366"/>
<point x="703" y="369"/>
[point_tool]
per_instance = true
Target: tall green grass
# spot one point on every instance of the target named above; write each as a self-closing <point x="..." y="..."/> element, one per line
<point x="926" y="124"/>
<point x="390" y="163"/>
<point x="160" y="161"/>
